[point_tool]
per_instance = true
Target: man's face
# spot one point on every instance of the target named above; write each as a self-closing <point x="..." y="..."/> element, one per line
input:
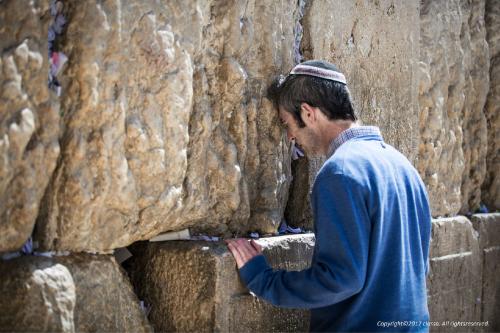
<point x="305" y="138"/>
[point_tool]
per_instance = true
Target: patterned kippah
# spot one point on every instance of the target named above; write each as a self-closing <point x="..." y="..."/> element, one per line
<point x="319" y="72"/>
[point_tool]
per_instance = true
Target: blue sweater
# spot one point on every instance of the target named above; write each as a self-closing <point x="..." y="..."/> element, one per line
<point x="372" y="226"/>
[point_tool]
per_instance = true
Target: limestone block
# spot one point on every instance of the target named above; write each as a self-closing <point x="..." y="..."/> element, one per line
<point x="454" y="82"/>
<point x="374" y="43"/>
<point x="37" y="295"/>
<point x="194" y="286"/>
<point x="29" y="119"/>
<point x="165" y="122"/>
<point x="454" y="280"/>
<point x="488" y="227"/>
<point x="82" y="293"/>
<point x="491" y="187"/>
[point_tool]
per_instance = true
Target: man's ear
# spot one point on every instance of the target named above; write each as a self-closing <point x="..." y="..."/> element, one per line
<point x="308" y="113"/>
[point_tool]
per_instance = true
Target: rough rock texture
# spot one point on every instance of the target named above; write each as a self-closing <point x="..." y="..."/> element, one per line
<point x="37" y="295"/>
<point x="454" y="81"/>
<point x="454" y="281"/>
<point x="488" y="227"/>
<point x="375" y="44"/>
<point x="298" y="207"/>
<point x="194" y="286"/>
<point x="165" y="126"/>
<point x="28" y="120"/>
<point x="491" y="187"/>
<point x="82" y="293"/>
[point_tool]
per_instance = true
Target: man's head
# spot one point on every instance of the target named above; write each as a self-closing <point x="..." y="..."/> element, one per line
<point x="313" y="88"/>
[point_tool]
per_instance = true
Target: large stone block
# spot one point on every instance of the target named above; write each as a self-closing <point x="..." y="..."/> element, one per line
<point x="454" y="82"/>
<point x="82" y="293"/>
<point x="165" y="122"/>
<point x="375" y="43"/>
<point x="29" y="119"/>
<point x="194" y="286"/>
<point x="488" y="227"/>
<point x="454" y="281"/>
<point x="491" y="187"/>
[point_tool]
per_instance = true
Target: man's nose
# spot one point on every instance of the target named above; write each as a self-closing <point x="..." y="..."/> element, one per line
<point x="290" y="136"/>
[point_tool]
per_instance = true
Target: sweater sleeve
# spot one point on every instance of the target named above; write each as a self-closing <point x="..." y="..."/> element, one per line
<point x="338" y="269"/>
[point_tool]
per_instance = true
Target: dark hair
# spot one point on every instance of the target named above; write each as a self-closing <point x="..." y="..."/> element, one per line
<point x="331" y="97"/>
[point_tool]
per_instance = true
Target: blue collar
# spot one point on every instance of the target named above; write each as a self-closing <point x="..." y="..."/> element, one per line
<point x="352" y="133"/>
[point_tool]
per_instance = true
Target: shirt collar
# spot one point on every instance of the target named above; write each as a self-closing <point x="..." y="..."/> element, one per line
<point x="352" y="133"/>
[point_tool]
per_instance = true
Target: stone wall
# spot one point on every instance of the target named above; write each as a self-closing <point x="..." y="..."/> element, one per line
<point x="454" y="82"/>
<point x="375" y="44"/>
<point x="162" y="125"/>
<point x="453" y="128"/>
<point x="29" y="118"/>
<point x="165" y="126"/>
<point x="147" y="78"/>
<point x="75" y="293"/>
<point x="194" y="286"/>
<point x="455" y="273"/>
<point x="491" y="186"/>
<point x="488" y="228"/>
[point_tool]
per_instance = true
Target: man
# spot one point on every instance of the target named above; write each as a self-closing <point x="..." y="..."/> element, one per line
<point x="371" y="217"/>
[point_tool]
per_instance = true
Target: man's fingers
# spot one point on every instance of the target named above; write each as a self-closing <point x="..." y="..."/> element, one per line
<point x="256" y="246"/>
<point x="236" y="254"/>
<point x="243" y="250"/>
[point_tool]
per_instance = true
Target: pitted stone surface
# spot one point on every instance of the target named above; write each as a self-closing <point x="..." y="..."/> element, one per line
<point x="165" y="124"/>
<point x="490" y="194"/>
<point x="454" y="280"/>
<point x="194" y="286"/>
<point x="76" y="293"/>
<point x="28" y="119"/>
<point x="454" y="82"/>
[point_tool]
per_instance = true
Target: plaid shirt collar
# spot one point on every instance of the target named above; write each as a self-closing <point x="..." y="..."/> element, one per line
<point x="351" y="133"/>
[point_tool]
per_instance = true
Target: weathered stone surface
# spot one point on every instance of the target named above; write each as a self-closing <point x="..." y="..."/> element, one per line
<point x="454" y="82"/>
<point x="28" y="120"/>
<point x="375" y="45"/>
<point x="298" y="208"/>
<point x="491" y="187"/>
<point x="454" y="281"/>
<point x="165" y="123"/>
<point x="194" y="286"/>
<point x="37" y="295"/>
<point x="488" y="227"/>
<point x="82" y="293"/>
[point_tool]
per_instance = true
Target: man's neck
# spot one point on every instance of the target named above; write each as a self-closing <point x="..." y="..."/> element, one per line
<point x="332" y="131"/>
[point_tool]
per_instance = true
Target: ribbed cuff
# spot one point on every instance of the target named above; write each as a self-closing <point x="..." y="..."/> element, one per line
<point x="252" y="268"/>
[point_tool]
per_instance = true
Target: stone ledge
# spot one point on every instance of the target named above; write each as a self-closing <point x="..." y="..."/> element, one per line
<point x="488" y="228"/>
<point x="194" y="286"/>
<point x="454" y="282"/>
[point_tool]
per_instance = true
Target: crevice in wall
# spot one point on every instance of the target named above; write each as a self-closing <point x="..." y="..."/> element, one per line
<point x="297" y="211"/>
<point x="298" y="32"/>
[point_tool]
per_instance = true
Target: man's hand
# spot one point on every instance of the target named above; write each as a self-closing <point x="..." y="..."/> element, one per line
<point x="243" y="250"/>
